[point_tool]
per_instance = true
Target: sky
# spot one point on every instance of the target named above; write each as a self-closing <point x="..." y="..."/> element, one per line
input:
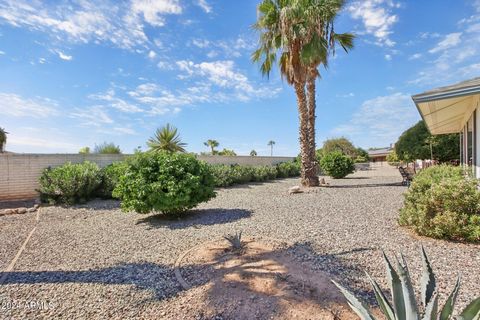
<point x="80" y="72"/>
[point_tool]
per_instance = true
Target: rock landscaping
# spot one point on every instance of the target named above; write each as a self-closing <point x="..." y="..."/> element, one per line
<point x="94" y="261"/>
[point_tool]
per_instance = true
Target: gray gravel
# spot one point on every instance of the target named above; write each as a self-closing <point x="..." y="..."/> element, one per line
<point x="97" y="262"/>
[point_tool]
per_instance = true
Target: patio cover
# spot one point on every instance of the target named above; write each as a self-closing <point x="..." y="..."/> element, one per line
<point x="447" y="109"/>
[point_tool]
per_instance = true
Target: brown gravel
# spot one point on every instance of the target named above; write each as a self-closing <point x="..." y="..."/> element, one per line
<point x="96" y="262"/>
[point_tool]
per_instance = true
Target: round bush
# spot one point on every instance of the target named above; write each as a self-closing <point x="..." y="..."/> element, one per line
<point x="110" y="176"/>
<point x="69" y="183"/>
<point x="442" y="203"/>
<point x="164" y="182"/>
<point x="337" y="165"/>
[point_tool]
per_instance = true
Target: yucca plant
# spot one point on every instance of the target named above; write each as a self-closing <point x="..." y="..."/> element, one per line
<point x="235" y="240"/>
<point x="403" y="297"/>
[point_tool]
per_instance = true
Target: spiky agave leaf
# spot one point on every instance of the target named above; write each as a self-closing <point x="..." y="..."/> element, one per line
<point x="450" y="303"/>
<point x="472" y="311"/>
<point x="396" y="290"/>
<point x="357" y="306"/>
<point x="235" y="240"/>
<point x="428" y="282"/>
<point x="431" y="310"/>
<point x="382" y="301"/>
<point x="411" y="310"/>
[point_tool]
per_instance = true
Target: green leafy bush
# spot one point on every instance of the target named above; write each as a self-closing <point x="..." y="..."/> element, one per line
<point x="164" y="182"/>
<point x="288" y="169"/>
<point x="227" y="175"/>
<point x="69" y="183"/>
<point x="337" y="165"/>
<point x="110" y="176"/>
<point x="442" y="203"/>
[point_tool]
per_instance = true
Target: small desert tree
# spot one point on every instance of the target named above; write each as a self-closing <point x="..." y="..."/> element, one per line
<point x="271" y="143"/>
<point x="166" y="139"/>
<point x="253" y="153"/>
<point x="212" y="144"/>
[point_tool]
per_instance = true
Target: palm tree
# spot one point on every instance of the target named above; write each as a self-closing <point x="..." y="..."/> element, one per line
<point x="3" y="139"/>
<point x="166" y="139"/>
<point x="253" y="153"/>
<point x="301" y="33"/>
<point x="271" y="143"/>
<point x="212" y="144"/>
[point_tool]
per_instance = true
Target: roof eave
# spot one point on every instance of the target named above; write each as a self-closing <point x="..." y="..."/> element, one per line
<point x="422" y="97"/>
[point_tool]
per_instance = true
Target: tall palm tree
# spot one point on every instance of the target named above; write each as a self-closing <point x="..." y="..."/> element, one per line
<point x="166" y="139"/>
<point x="3" y="139"/>
<point x="301" y="33"/>
<point x="271" y="143"/>
<point x="212" y="144"/>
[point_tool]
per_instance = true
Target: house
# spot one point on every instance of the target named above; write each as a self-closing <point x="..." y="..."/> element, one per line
<point x="379" y="155"/>
<point x="453" y="109"/>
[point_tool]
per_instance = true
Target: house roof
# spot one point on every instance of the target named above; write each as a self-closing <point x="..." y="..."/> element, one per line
<point x="379" y="152"/>
<point x="447" y="109"/>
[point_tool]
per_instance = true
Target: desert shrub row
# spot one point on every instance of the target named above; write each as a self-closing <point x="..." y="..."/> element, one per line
<point x="227" y="175"/>
<point x="157" y="181"/>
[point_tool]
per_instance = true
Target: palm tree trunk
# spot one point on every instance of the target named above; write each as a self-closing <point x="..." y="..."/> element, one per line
<point x="308" y="172"/>
<point x="311" y="103"/>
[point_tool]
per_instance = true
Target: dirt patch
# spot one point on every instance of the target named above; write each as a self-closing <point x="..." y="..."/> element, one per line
<point x="261" y="281"/>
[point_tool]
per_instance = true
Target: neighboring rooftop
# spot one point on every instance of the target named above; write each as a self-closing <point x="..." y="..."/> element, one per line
<point x="381" y="151"/>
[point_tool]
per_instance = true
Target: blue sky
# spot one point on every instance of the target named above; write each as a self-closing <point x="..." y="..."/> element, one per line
<point x="76" y="73"/>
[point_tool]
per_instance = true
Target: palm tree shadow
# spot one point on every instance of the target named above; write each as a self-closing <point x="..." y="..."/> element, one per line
<point x="196" y="218"/>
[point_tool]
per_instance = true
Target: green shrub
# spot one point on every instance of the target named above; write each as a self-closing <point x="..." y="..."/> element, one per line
<point x="69" y="183"/>
<point x="168" y="183"/>
<point x="110" y="176"/>
<point x="227" y="175"/>
<point x="337" y="165"/>
<point x="442" y="203"/>
<point x="360" y="159"/>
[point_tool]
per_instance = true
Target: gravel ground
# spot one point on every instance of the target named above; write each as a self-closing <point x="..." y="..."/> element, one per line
<point x="94" y="261"/>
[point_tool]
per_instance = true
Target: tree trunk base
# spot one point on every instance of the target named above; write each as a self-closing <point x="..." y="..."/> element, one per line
<point x="311" y="181"/>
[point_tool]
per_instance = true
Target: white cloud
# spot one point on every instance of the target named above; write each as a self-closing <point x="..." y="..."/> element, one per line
<point x="115" y="102"/>
<point x="455" y="56"/>
<point x="153" y="11"/>
<point x="204" y="5"/>
<point x="415" y="56"/>
<point x="449" y="41"/>
<point x="125" y="130"/>
<point x="2" y="53"/>
<point x="64" y="56"/>
<point x="223" y="74"/>
<point x="235" y="47"/>
<point x="119" y="23"/>
<point x="377" y="18"/>
<point x="15" y="105"/>
<point x="388" y="57"/>
<point x="152" y="54"/>
<point x="346" y="95"/>
<point x="54" y="143"/>
<point x="92" y="116"/>
<point x="380" y="120"/>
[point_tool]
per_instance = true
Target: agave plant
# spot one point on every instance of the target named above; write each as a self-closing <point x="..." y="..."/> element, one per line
<point x="404" y="303"/>
<point x="235" y="240"/>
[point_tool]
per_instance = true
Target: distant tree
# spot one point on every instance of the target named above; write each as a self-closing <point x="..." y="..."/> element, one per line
<point x="227" y="152"/>
<point x="84" y="150"/>
<point x="342" y="145"/>
<point x="418" y="143"/>
<point x="253" y="153"/>
<point x="212" y="144"/>
<point x="362" y="153"/>
<point x="271" y="143"/>
<point x="3" y="139"/>
<point x="107" y="148"/>
<point x="166" y="139"/>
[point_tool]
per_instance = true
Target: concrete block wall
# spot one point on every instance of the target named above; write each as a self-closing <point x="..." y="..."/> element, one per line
<point x="19" y="173"/>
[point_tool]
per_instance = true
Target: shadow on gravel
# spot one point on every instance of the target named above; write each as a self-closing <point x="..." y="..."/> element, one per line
<point x="196" y="218"/>
<point x="227" y="281"/>
<point x="368" y="185"/>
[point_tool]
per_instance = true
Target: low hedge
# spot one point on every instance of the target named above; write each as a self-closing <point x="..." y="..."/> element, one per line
<point x="443" y="203"/>
<point x="227" y="175"/>
<point x="70" y="183"/>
